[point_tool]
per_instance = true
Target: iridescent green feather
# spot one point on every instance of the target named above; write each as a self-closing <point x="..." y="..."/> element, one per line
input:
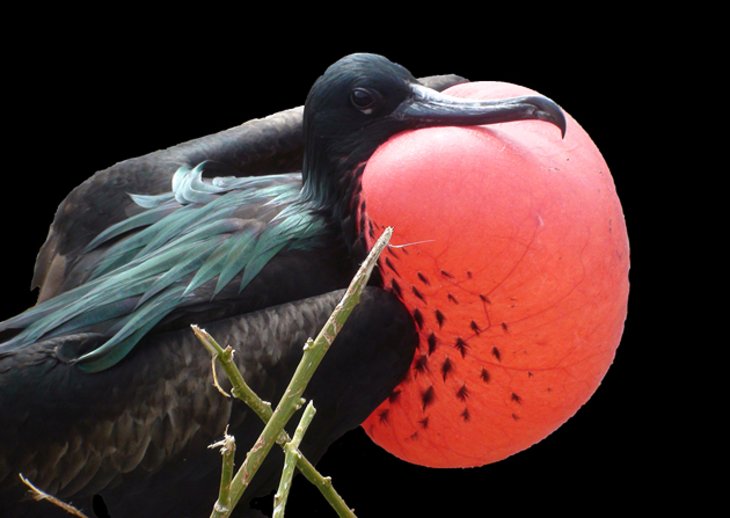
<point x="183" y="240"/>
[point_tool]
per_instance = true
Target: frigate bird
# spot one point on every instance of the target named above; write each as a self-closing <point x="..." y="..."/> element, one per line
<point x="103" y="389"/>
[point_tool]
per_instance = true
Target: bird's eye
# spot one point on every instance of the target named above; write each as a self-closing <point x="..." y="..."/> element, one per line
<point x="362" y="99"/>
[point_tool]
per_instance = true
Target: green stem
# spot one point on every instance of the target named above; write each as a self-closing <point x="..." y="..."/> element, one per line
<point x="314" y="351"/>
<point x="228" y="452"/>
<point x="243" y="391"/>
<point x="292" y="454"/>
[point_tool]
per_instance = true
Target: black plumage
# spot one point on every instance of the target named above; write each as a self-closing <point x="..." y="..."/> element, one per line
<point x="136" y="432"/>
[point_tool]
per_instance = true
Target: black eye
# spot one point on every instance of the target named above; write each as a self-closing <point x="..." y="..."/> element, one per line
<point x="362" y="99"/>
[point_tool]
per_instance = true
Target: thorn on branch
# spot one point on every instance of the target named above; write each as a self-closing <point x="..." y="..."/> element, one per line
<point x="216" y="383"/>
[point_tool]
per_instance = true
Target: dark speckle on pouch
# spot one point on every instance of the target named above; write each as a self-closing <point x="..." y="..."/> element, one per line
<point x="461" y="346"/>
<point x="432" y="342"/>
<point x="417" y="293"/>
<point x="418" y="317"/>
<point x="396" y="288"/>
<point x="446" y="368"/>
<point x="485" y="375"/>
<point x="427" y="397"/>
<point x="440" y="318"/>
<point x="390" y="265"/>
<point x="421" y="364"/>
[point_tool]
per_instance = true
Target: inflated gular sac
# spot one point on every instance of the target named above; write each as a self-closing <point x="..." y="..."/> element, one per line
<point x="514" y="262"/>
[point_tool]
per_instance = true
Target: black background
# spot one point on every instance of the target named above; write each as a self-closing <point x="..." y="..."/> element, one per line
<point x="83" y="100"/>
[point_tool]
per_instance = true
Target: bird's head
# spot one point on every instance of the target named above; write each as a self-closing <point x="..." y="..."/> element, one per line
<point x="364" y="99"/>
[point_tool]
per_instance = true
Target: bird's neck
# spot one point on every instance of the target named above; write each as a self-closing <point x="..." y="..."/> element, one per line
<point x="332" y="184"/>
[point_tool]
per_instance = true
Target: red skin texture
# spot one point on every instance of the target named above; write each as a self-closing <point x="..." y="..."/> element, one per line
<point x="521" y="245"/>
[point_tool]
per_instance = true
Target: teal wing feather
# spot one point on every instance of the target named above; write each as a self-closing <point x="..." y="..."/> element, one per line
<point x="201" y="232"/>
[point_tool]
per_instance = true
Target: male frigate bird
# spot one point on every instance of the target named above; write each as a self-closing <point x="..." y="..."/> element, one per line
<point x="104" y="390"/>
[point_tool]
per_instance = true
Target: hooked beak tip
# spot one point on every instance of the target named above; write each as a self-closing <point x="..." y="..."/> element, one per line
<point x="549" y="111"/>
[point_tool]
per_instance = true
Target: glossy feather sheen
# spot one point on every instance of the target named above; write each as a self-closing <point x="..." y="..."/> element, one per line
<point x="200" y="232"/>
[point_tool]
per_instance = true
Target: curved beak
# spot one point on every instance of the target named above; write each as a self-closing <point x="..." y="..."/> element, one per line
<point x="427" y="107"/>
